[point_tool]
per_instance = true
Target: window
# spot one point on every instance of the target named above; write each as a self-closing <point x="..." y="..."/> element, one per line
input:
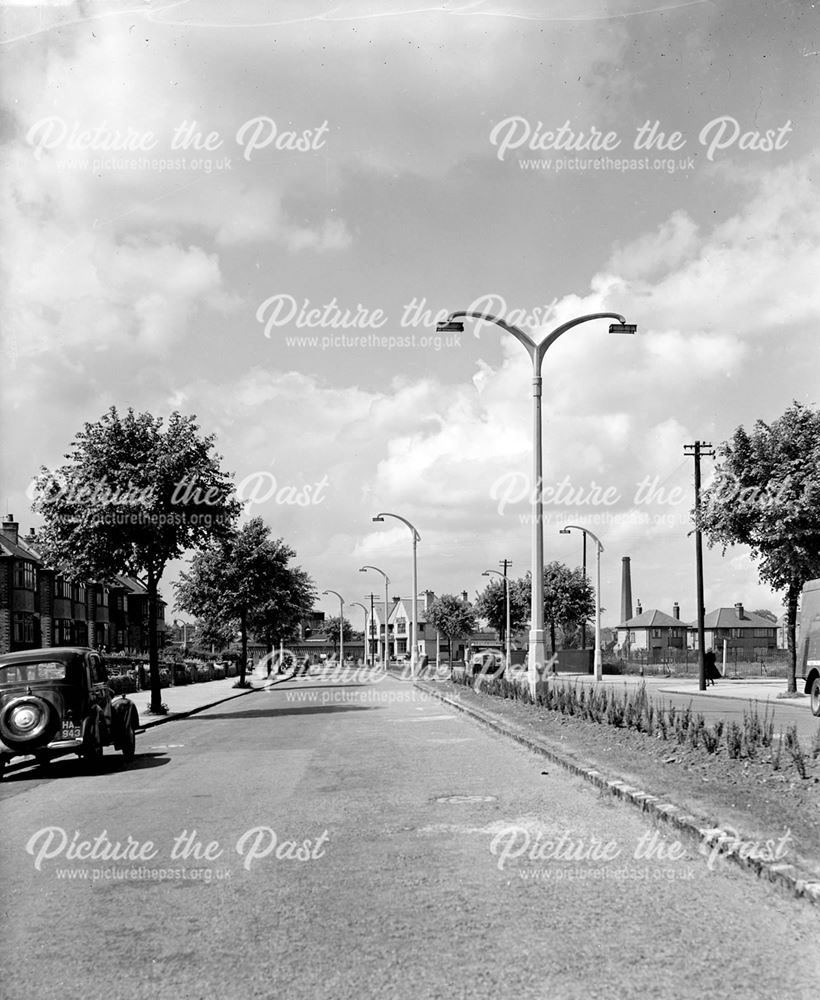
<point x="78" y="593"/>
<point x="25" y="576"/>
<point x="63" y="632"/>
<point x="656" y="633"/>
<point x="62" y="589"/>
<point x="763" y="633"/>
<point x="98" y="674"/>
<point x="101" y="597"/>
<point x="23" y="628"/>
<point x="632" y="637"/>
<point x="737" y="633"/>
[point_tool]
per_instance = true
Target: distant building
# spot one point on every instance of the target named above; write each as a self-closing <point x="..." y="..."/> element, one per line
<point x="652" y="631"/>
<point x="751" y="635"/>
<point x="39" y="608"/>
<point x="783" y="631"/>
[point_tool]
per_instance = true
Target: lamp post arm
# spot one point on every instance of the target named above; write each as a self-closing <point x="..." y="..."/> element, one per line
<point x="544" y="345"/>
<point x="404" y="520"/>
<point x="586" y="531"/>
<point x="520" y="335"/>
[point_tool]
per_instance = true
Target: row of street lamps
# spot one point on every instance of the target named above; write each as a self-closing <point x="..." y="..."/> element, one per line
<point x="415" y="608"/>
<point x="537" y="657"/>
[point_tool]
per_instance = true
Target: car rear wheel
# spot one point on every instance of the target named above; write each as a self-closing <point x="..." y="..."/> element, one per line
<point x="815" y="696"/>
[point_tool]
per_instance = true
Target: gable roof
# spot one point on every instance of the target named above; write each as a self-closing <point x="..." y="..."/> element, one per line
<point x="406" y="604"/>
<point x="653" y="618"/>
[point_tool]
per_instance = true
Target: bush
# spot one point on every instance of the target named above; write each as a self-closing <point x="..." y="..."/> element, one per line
<point x="734" y="739"/>
<point x="796" y="751"/>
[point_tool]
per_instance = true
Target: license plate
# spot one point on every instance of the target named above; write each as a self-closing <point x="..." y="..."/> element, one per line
<point x="70" y="733"/>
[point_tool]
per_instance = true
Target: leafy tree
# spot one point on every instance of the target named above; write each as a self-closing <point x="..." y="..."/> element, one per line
<point x="133" y="495"/>
<point x="331" y="629"/>
<point x="766" y="494"/>
<point x="243" y="582"/>
<point x="569" y="600"/>
<point x="491" y="605"/>
<point x="280" y="622"/>
<point x="453" y="618"/>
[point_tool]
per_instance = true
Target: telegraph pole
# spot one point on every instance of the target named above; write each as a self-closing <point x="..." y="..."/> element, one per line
<point x="696" y="451"/>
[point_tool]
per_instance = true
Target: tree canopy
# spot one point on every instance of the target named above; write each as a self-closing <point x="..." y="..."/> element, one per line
<point x="569" y="600"/>
<point x="452" y="617"/>
<point x="766" y="494"/>
<point x="331" y="629"/>
<point x="244" y="583"/>
<point x="491" y="604"/>
<point x="132" y="495"/>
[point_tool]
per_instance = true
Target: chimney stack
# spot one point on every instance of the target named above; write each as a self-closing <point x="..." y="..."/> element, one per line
<point x="638" y="609"/>
<point x="676" y="611"/>
<point x="10" y="528"/>
<point x="626" y="590"/>
<point x="464" y="596"/>
<point x="739" y="609"/>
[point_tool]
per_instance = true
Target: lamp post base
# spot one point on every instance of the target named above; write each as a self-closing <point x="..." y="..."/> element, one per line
<point x="597" y="669"/>
<point x="537" y="658"/>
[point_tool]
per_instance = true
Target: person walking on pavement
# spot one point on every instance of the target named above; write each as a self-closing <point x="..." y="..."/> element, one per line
<point x="710" y="663"/>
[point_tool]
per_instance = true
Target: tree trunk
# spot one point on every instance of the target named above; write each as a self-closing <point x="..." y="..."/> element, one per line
<point x="552" y="636"/>
<point x="792" y="596"/>
<point x="243" y="660"/>
<point x="153" y="649"/>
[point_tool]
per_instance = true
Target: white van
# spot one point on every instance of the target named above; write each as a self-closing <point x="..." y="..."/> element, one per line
<point x="808" y="644"/>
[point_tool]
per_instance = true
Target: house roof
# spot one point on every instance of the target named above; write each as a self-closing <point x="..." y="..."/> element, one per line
<point x="729" y="618"/>
<point x="653" y="618"/>
<point x="406" y="604"/>
<point x="9" y="548"/>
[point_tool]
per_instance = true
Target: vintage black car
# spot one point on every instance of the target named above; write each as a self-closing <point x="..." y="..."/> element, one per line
<point x="57" y="701"/>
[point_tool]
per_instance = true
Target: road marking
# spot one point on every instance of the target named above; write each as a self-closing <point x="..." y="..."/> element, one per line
<point x="166" y="746"/>
<point x="423" y="718"/>
<point x="458" y="799"/>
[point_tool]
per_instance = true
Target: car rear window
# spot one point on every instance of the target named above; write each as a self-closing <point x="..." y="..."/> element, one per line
<point x="25" y="673"/>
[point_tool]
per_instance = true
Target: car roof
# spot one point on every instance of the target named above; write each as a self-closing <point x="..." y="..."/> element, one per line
<point x="44" y="655"/>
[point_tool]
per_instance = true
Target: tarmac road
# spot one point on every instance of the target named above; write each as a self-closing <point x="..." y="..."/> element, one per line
<point x="365" y="841"/>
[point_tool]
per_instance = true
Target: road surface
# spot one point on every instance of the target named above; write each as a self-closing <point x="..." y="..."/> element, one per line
<point x="335" y="841"/>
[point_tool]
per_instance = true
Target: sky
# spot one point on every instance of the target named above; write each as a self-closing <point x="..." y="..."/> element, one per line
<point x="256" y="215"/>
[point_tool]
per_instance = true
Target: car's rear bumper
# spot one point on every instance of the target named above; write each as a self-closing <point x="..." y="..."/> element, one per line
<point x="55" y="746"/>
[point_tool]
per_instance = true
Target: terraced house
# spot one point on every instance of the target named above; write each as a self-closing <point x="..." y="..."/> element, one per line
<point x="39" y="608"/>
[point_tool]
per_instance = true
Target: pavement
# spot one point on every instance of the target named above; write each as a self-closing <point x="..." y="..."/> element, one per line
<point x="188" y="699"/>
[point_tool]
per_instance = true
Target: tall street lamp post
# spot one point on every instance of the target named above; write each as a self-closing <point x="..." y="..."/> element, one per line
<point x="415" y="621"/>
<point x="364" y="569"/>
<point x="536" y="351"/>
<point x="358" y="604"/>
<point x="341" y="625"/>
<point x="494" y="572"/>
<point x="597" y="668"/>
